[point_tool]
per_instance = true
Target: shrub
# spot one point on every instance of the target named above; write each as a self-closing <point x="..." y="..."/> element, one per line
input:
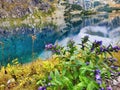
<point x="83" y="67"/>
<point x="25" y="77"/>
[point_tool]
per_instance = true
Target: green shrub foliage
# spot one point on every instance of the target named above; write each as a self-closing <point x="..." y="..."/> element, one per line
<point x="85" y="66"/>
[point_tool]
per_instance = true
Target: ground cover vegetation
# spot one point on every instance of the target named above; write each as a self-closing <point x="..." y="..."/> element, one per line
<point x="85" y="66"/>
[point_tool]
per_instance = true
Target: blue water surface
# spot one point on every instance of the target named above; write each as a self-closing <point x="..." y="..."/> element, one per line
<point x="26" y="44"/>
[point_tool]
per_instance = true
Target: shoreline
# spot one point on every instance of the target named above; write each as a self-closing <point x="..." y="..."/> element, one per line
<point x="35" y="20"/>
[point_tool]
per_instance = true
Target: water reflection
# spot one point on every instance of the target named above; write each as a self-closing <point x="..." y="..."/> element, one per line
<point x="105" y="27"/>
<point x="25" y="46"/>
<point x="28" y="43"/>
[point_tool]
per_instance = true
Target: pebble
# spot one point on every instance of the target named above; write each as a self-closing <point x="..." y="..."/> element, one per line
<point x="10" y="81"/>
<point x="115" y="82"/>
<point x="118" y="79"/>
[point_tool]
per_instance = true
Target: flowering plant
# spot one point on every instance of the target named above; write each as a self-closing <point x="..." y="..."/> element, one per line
<point x="84" y="66"/>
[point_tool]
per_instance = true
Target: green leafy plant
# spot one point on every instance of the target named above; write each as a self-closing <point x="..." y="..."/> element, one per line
<point x="84" y="66"/>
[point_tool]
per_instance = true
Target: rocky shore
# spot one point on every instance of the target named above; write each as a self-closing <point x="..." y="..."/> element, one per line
<point x="20" y="8"/>
<point x="36" y="14"/>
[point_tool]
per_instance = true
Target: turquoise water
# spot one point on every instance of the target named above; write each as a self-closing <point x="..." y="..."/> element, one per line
<point x="27" y="44"/>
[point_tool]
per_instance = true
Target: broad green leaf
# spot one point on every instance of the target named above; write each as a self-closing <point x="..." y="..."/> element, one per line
<point x="51" y="74"/>
<point x="84" y="79"/>
<point x="69" y="75"/>
<point x="72" y="57"/>
<point x="59" y="83"/>
<point x="39" y="82"/>
<point x="78" y="62"/>
<point x="76" y="73"/>
<point x="108" y="74"/>
<point x="91" y="64"/>
<point x="67" y="82"/>
<point x="83" y="72"/>
<point x="64" y="71"/>
<point x="90" y="86"/>
<point x="97" y="58"/>
<point x="79" y="86"/>
<point x="57" y="73"/>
